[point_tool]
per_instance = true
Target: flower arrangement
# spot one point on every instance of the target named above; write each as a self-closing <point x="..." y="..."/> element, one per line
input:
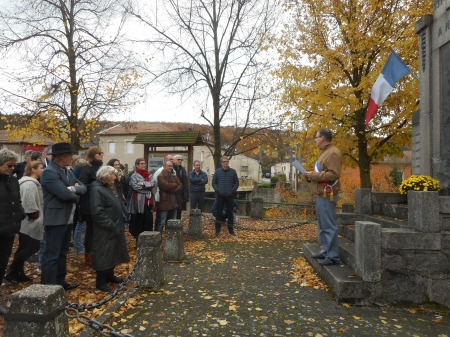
<point x="419" y="183"/>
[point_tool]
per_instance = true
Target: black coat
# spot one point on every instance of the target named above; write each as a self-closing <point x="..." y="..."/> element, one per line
<point x="87" y="177"/>
<point x="11" y="211"/>
<point x="109" y="244"/>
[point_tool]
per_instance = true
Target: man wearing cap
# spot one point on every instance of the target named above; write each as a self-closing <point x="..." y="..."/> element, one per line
<point x="61" y="194"/>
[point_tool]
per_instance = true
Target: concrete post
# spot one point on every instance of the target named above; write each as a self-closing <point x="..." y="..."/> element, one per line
<point x="257" y="208"/>
<point x="363" y="200"/>
<point x="423" y="211"/>
<point x="368" y="250"/>
<point x="37" y="311"/>
<point x="174" y="244"/>
<point x="347" y="207"/>
<point x="195" y="224"/>
<point x="149" y="272"/>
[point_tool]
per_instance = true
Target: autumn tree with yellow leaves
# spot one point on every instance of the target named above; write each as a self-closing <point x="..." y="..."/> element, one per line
<point x="66" y="68"/>
<point x="330" y="54"/>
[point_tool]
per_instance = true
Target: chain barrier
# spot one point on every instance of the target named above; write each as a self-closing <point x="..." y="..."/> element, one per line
<point x="260" y="229"/>
<point x="73" y="309"/>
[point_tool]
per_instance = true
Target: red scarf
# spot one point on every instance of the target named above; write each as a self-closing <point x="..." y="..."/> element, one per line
<point x="146" y="175"/>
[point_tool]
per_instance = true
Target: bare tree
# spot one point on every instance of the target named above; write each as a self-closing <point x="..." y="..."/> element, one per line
<point x="210" y="51"/>
<point x="72" y="68"/>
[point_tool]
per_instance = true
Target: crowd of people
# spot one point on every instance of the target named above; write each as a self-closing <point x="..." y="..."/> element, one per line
<point x="54" y="197"/>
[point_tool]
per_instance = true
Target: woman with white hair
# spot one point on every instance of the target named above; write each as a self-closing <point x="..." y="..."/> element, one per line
<point x="107" y="210"/>
<point x="11" y="212"/>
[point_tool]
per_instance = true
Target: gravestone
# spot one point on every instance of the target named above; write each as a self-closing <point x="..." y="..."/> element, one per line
<point x="431" y="126"/>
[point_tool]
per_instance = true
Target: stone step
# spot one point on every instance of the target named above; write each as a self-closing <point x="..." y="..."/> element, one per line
<point x="343" y="219"/>
<point x="348" y="231"/>
<point x="396" y="211"/>
<point x="347" y="252"/>
<point x="342" y="280"/>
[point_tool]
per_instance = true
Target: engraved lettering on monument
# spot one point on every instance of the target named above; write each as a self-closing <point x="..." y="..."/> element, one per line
<point x="445" y="115"/>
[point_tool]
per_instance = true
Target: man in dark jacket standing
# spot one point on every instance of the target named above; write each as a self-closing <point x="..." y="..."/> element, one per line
<point x="182" y="176"/>
<point x="198" y="180"/>
<point x="169" y="196"/>
<point x="61" y="194"/>
<point x="225" y="183"/>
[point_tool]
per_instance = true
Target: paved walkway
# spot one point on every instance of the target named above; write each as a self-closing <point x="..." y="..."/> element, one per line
<point x="245" y="289"/>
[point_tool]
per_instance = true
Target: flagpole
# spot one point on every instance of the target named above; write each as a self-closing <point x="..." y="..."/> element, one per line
<point x="412" y="73"/>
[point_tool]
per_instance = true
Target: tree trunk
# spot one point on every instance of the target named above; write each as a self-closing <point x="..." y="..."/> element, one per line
<point x="364" y="158"/>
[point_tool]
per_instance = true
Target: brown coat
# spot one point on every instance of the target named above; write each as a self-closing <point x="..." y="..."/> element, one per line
<point x="330" y="162"/>
<point x="169" y="189"/>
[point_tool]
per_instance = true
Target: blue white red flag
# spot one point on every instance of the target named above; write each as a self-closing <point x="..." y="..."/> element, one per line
<point x="392" y="72"/>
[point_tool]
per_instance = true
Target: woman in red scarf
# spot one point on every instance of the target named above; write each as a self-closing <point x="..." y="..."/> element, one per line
<point x="142" y="200"/>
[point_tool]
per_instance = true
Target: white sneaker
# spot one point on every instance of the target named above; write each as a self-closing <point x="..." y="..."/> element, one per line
<point x="38" y="271"/>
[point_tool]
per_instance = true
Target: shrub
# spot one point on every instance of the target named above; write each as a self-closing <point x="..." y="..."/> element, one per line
<point x="419" y="183"/>
<point x="268" y="185"/>
<point x="274" y="179"/>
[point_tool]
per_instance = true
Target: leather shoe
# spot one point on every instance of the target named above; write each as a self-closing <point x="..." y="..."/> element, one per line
<point x="317" y="256"/>
<point x="70" y="286"/>
<point x="329" y="262"/>
<point x="115" y="279"/>
<point x="103" y="287"/>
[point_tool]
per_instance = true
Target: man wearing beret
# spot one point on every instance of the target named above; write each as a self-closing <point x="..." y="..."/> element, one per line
<point x="61" y="194"/>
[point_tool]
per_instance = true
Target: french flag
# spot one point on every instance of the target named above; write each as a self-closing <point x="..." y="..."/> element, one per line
<point x="393" y="71"/>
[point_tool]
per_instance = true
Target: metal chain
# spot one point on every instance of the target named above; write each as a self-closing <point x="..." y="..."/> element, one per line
<point x="257" y="229"/>
<point x="73" y="309"/>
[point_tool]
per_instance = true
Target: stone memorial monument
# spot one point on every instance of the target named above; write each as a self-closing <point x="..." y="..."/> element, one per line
<point x="431" y="125"/>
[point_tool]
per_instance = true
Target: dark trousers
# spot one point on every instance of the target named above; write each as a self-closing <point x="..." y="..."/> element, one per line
<point x="179" y="210"/>
<point x="6" y="244"/>
<point x="55" y="254"/>
<point x="89" y="234"/>
<point x="197" y="200"/>
<point x="142" y="222"/>
<point x="220" y="202"/>
<point x="27" y="247"/>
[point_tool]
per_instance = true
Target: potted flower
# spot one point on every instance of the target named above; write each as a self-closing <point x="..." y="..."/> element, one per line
<point x="419" y="183"/>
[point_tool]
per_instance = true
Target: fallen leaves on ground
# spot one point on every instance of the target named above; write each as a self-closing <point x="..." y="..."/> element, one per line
<point x="304" y="274"/>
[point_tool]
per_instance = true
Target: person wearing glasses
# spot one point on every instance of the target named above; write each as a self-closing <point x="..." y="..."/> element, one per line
<point x="11" y="211"/>
<point x="225" y="183"/>
<point x="94" y="159"/>
<point x="61" y="194"/>
<point x="182" y="176"/>
<point x="142" y="200"/>
<point x="324" y="185"/>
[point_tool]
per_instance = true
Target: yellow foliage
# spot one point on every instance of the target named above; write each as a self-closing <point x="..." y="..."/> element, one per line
<point x="330" y="57"/>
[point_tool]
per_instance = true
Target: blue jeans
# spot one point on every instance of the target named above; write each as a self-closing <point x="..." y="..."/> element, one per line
<point x="78" y="234"/>
<point x="328" y="232"/>
<point x="197" y="200"/>
<point x="163" y="216"/>
<point x="54" y="261"/>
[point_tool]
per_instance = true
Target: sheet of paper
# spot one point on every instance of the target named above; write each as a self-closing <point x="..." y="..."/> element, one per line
<point x="299" y="167"/>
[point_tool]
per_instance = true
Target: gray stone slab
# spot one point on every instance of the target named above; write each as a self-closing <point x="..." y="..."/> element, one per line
<point x="257" y="208"/>
<point x="349" y="218"/>
<point x="195" y="228"/>
<point x="368" y="250"/>
<point x="363" y="200"/>
<point x="389" y="198"/>
<point x="347" y="252"/>
<point x="150" y="262"/>
<point x="349" y="232"/>
<point x="440" y="291"/>
<point x="393" y="261"/>
<point x="403" y="287"/>
<point x="43" y="301"/>
<point x="174" y="244"/>
<point x="444" y="205"/>
<point x="423" y="211"/>
<point x="347" y="207"/>
<point x="445" y="222"/>
<point x="430" y="264"/>
<point x="397" y="211"/>
<point x="445" y="240"/>
<point x="404" y="238"/>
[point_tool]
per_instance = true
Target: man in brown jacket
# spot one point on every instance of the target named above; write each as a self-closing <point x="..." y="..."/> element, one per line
<point x="169" y="198"/>
<point x="324" y="186"/>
